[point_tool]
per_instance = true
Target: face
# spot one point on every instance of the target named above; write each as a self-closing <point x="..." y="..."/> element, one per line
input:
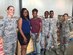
<point x="51" y="14"/>
<point x="46" y="14"/>
<point x="11" y="11"/>
<point x="34" y="14"/>
<point x="25" y="13"/>
<point x="65" y="17"/>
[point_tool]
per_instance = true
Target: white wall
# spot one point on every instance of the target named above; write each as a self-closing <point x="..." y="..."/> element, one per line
<point x="59" y="6"/>
<point x="5" y="3"/>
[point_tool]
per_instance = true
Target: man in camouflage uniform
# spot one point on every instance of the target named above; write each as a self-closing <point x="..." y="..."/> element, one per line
<point x="52" y="31"/>
<point x="45" y="32"/>
<point x="8" y="27"/>
<point x="65" y="27"/>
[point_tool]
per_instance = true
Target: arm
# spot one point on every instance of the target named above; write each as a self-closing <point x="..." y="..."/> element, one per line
<point x="20" y="28"/>
<point x="71" y="25"/>
<point x="58" y="26"/>
<point x="40" y="30"/>
<point x="1" y="28"/>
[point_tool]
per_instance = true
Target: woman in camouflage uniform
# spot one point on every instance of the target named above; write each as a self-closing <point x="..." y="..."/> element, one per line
<point x="8" y="27"/>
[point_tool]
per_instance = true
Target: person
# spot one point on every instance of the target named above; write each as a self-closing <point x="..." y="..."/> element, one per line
<point x="1" y="39"/>
<point x="8" y="27"/>
<point x="24" y="30"/>
<point x="52" y="31"/>
<point x="65" y="27"/>
<point x="1" y="46"/>
<point x="45" y="32"/>
<point x="36" y="25"/>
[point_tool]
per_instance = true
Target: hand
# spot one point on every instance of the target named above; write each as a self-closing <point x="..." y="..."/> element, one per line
<point x="37" y="40"/>
<point x="1" y="40"/>
<point x="48" y="36"/>
<point x="37" y="37"/>
<point x="25" y="39"/>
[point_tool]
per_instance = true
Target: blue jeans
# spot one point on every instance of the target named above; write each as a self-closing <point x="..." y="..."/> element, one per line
<point x="37" y="47"/>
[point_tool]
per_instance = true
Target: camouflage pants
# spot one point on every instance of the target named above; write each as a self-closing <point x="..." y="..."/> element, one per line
<point x="9" y="48"/>
<point x="54" y="39"/>
<point x="46" y="42"/>
<point x="64" y="40"/>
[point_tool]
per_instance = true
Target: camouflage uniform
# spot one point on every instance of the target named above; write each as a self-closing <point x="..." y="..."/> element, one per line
<point x="8" y="31"/>
<point x="65" y="28"/>
<point x="52" y="33"/>
<point x="45" y="32"/>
